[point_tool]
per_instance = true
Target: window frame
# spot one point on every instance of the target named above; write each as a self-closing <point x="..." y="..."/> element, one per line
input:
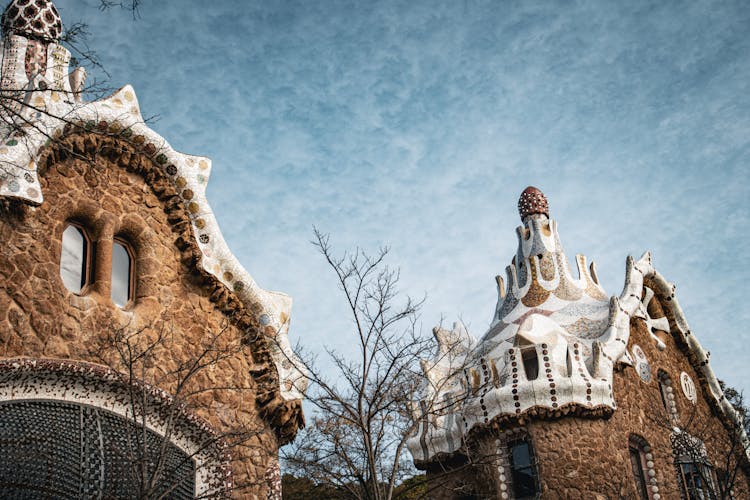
<point x="704" y="472"/>
<point x="637" y="453"/>
<point x="690" y="453"/>
<point x="125" y="243"/>
<point x="533" y="467"/>
<point x="666" y="391"/>
<point x="87" y="271"/>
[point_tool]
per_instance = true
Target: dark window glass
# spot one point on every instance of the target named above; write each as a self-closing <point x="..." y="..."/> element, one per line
<point x="697" y="483"/>
<point x="74" y="259"/>
<point x="122" y="274"/>
<point x="57" y="449"/>
<point x="662" y="392"/>
<point x="523" y="470"/>
<point x="636" y="462"/>
<point x="531" y="364"/>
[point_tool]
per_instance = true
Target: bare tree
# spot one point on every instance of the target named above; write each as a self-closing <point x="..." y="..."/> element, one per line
<point x="374" y="401"/>
<point x="131" y="5"/>
<point x="357" y="438"/>
<point x="25" y="106"/>
<point x="736" y="457"/>
<point x="136" y="356"/>
<point x="705" y="478"/>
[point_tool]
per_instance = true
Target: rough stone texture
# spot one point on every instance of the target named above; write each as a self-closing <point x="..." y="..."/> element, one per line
<point x="603" y="444"/>
<point x="587" y="456"/>
<point x="112" y="190"/>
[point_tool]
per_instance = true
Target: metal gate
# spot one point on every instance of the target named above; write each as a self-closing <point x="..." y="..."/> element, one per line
<point x="57" y="449"/>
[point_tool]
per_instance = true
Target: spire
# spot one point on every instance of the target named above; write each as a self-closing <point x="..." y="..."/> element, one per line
<point x="539" y="279"/>
<point x="33" y="60"/>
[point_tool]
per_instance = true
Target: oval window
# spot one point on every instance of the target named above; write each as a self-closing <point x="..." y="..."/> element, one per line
<point x="122" y="273"/>
<point x="74" y="259"/>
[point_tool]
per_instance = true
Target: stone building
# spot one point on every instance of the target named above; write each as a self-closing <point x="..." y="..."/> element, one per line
<point x="137" y="355"/>
<point x="574" y="394"/>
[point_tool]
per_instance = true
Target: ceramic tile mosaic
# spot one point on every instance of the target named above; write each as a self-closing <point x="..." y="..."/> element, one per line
<point x="36" y="19"/>
<point x="54" y="104"/>
<point x="552" y="345"/>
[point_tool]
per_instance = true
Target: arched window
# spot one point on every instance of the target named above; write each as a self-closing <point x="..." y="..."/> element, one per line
<point x="523" y="469"/>
<point x="696" y="480"/>
<point x="694" y="471"/>
<point x="667" y="395"/>
<point x="530" y="363"/>
<point x="642" y="465"/>
<point x="58" y="443"/>
<point x="123" y="282"/>
<point x="75" y="258"/>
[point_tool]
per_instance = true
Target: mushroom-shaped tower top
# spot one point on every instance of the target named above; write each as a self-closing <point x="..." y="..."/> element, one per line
<point x="33" y="19"/>
<point x="531" y="202"/>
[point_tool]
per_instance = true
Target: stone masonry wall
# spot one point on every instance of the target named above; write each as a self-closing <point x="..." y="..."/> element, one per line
<point x="39" y="317"/>
<point x="589" y="458"/>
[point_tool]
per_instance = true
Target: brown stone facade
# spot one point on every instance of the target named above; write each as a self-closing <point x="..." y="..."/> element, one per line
<point x="585" y="455"/>
<point x="104" y="184"/>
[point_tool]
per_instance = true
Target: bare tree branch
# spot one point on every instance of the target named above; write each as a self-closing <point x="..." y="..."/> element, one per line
<point x="356" y="443"/>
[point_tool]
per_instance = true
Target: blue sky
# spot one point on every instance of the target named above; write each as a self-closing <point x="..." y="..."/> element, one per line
<point x="416" y="124"/>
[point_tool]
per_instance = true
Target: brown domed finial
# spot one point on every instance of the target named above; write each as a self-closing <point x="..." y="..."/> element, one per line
<point x="37" y="19"/>
<point x="532" y="201"/>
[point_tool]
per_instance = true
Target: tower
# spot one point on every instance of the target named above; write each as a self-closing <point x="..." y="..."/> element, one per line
<point x="572" y="394"/>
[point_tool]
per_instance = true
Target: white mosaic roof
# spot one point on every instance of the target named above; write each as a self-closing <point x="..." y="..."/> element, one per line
<point x="551" y="347"/>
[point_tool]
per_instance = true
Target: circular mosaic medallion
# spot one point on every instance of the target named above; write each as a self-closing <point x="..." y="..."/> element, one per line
<point x="644" y="371"/>
<point x="642" y="365"/>
<point x="688" y="388"/>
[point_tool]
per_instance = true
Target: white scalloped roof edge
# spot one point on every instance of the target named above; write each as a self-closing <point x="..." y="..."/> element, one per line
<point x="18" y="167"/>
<point x="613" y="348"/>
<point x="630" y="304"/>
<point x="702" y="356"/>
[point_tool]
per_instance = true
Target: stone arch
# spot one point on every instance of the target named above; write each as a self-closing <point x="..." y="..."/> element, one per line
<point x="61" y="388"/>
<point x="642" y="465"/>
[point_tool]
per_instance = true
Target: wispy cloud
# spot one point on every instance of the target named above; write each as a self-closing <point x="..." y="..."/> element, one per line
<point x="417" y="124"/>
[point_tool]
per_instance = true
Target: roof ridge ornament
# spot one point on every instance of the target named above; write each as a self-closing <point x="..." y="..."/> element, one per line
<point x="34" y="19"/>
<point x="532" y="202"/>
